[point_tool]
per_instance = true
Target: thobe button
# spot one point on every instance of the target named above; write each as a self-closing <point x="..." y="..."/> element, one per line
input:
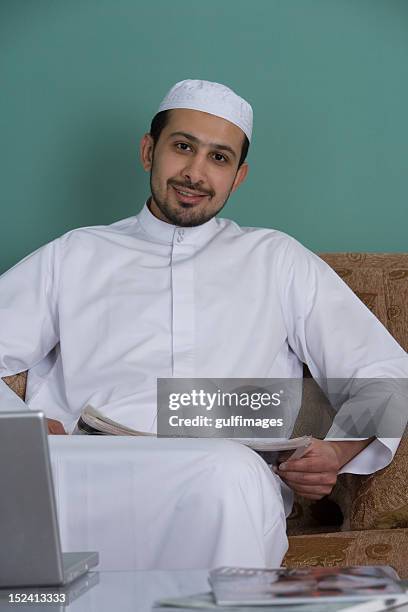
<point x="180" y="235"/>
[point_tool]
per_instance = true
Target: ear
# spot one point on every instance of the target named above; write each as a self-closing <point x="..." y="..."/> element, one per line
<point x="240" y="177"/>
<point x="146" y="151"/>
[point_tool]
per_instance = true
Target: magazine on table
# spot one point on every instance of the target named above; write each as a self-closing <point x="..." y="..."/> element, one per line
<point x="234" y="586"/>
<point x="205" y="601"/>
<point x="93" y="422"/>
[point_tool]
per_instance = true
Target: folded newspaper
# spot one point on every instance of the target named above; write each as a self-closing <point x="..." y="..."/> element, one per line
<point x="93" y="422"/>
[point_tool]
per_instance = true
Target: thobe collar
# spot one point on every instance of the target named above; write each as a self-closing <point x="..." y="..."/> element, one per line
<point x="168" y="233"/>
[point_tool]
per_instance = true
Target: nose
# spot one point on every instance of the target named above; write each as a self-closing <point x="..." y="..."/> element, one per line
<point x="194" y="170"/>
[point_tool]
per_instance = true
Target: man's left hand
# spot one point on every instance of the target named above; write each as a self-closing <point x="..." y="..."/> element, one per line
<point x="314" y="475"/>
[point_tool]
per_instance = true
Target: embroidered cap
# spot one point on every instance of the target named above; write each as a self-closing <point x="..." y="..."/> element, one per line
<point x="212" y="98"/>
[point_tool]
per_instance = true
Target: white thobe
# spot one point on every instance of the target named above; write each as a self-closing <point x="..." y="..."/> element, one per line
<point x="100" y="313"/>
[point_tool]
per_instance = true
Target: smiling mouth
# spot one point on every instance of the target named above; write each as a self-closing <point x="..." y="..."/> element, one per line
<point x="188" y="196"/>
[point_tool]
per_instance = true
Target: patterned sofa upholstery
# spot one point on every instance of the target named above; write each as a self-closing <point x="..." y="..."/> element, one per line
<point x="365" y="519"/>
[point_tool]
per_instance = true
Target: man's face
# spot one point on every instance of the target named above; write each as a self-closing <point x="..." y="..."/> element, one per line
<point x="197" y="153"/>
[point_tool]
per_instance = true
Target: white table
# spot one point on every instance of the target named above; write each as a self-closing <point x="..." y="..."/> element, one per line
<point x="136" y="591"/>
<point x="131" y="591"/>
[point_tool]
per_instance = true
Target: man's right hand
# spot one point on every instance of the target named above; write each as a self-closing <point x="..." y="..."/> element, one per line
<point x="55" y="427"/>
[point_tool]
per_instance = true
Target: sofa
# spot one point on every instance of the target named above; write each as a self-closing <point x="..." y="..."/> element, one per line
<point x="365" y="519"/>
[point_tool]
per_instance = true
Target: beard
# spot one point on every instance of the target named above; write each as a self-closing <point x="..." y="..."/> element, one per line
<point x="185" y="215"/>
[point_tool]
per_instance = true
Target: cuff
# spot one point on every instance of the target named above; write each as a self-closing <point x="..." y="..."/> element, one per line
<point x="373" y="457"/>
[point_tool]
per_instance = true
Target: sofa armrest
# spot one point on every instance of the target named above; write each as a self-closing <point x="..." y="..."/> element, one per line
<point x="376" y="501"/>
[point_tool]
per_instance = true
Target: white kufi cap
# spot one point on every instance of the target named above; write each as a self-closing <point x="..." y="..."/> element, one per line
<point x="212" y="98"/>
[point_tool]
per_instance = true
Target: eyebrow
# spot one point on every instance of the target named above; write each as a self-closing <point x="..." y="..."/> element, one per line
<point x="222" y="147"/>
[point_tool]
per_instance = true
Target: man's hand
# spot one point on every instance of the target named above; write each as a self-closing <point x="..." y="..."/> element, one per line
<point x="55" y="427"/>
<point x="314" y="475"/>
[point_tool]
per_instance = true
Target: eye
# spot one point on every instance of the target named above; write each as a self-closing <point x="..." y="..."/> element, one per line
<point x="181" y="145"/>
<point x="223" y="158"/>
<point x="184" y="146"/>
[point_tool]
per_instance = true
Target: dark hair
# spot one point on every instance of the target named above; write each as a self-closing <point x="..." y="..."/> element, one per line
<point x="160" y="121"/>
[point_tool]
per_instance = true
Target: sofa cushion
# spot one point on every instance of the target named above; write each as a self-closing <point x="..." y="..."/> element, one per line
<point x="17" y="383"/>
<point x="371" y="547"/>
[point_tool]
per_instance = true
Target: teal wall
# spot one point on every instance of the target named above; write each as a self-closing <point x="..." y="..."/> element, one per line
<point x="328" y="80"/>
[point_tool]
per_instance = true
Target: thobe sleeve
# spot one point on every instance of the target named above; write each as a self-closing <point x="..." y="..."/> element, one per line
<point x="28" y="316"/>
<point x="338" y="337"/>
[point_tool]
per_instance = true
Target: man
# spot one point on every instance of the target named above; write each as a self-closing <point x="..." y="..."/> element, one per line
<point x="98" y="314"/>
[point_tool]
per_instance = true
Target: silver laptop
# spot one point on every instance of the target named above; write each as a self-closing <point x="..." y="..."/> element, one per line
<point x="30" y="549"/>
